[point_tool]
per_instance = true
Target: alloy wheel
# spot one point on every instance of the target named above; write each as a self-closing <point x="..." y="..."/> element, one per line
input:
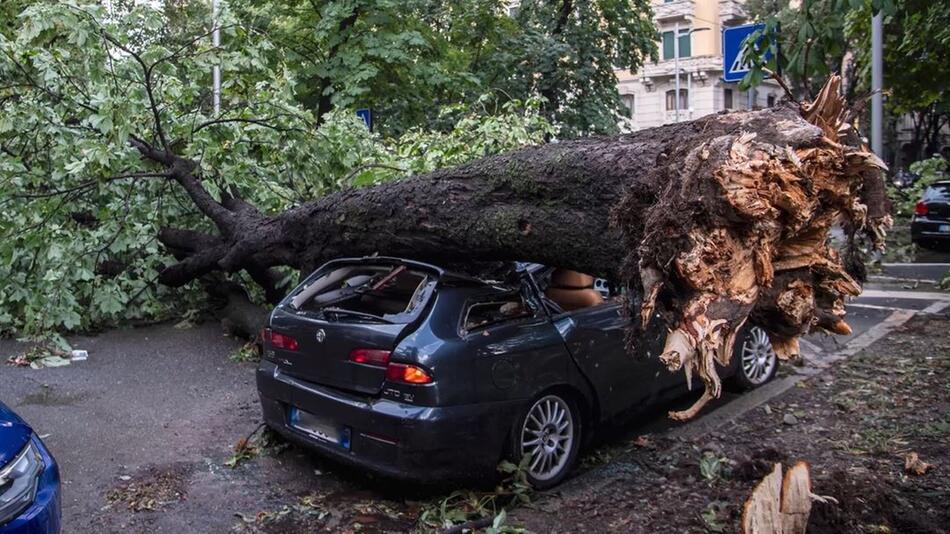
<point x="547" y="437"/>
<point x="758" y="357"/>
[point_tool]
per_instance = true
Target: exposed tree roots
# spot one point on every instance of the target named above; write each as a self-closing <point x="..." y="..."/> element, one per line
<point x="765" y="252"/>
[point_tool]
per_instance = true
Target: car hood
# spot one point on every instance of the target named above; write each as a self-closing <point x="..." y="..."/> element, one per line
<point x="14" y="434"/>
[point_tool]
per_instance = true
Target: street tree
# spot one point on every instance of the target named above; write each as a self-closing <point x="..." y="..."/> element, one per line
<point x="705" y="223"/>
<point x="821" y="37"/>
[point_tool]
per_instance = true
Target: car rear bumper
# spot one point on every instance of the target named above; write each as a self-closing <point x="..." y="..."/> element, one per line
<point x="421" y="443"/>
<point x="924" y="229"/>
<point x="43" y="516"/>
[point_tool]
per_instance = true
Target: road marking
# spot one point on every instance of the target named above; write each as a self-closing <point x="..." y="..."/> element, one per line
<point x="916" y="264"/>
<point x="864" y="340"/>
<point x="919" y="295"/>
<point x="876" y="307"/>
<point x="936" y="307"/>
<point x="904" y="279"/>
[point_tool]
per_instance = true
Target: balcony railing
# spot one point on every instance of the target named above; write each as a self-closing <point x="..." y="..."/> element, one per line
<point x="731" y="12"/>
<point x="675" y="10"/>
<point x="688" y="64"/>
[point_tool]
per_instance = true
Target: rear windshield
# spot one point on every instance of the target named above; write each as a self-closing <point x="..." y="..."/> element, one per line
<point x="937" y="193"/>
<point x="388" y="293"/>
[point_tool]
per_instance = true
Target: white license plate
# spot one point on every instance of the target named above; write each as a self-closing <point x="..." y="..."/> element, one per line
<point x="319" y="427"/>
<point x="944" y="228"/>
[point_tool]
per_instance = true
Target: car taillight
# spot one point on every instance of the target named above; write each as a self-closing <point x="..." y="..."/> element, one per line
<point x="370" y="356"/>
<point x="278" y="340"/>
<point x="407" y="374"/>
<point x="920" y="208"/>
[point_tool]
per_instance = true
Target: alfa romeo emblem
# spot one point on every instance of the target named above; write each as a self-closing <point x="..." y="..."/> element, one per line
<point x="321" y="335"/>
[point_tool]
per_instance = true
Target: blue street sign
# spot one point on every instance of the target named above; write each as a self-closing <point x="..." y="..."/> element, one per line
<point x="734" y="64"/>
<point x="366" y="115"/>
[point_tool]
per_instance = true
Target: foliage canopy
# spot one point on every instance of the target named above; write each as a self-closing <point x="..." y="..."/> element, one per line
<point x="81" y="81"/>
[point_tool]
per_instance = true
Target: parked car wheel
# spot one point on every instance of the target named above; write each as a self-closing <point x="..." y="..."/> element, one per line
<point x="549" y="433"/>
<point x="757" y="361"/>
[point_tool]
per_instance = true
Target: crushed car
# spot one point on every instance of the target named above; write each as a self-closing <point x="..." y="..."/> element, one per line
<point x="417" y="372"/>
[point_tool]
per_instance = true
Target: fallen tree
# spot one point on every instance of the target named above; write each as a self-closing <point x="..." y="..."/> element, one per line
<point x="707" y="222"/>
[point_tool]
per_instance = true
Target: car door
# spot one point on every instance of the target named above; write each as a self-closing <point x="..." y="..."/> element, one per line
<point x="594" y="337"/>
<point x="516" y="356"/>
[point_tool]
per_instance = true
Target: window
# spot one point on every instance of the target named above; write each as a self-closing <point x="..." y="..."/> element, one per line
<point x="727" y="99"/>
<point x="391" y="293"/>
<point x="505" y="308"/>
<point x="770" y="100"/>
<point x="937" y="193"/>
<point x="629" y="103"/>
<point x="668" y="48"/>
<point x="671" y="103"/>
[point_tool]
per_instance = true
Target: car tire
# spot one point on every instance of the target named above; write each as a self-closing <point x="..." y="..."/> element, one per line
<point x="755" y="360"/>
<point x="549" y="429"/>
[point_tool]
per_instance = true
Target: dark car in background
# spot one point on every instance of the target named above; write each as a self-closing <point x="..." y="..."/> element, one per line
<point x="29" y="480"/>
<point x="930" y="226"/>
<point x="420" y="373"/>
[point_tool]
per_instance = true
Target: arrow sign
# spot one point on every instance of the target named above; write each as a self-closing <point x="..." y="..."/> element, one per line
<point x="734" y="63"/>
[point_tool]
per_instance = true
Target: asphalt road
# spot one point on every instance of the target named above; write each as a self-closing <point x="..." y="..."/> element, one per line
<point x="161" y="399"/>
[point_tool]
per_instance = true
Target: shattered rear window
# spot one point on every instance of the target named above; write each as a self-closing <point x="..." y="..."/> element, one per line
<point x="353" y="292"/>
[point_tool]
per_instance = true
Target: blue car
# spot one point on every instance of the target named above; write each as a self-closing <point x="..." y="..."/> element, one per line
<point x="29" y="479"/>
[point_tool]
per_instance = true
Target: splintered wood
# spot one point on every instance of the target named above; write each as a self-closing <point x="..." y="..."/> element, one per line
<point x="767" y="255"/>
<point x="780" y="505"/>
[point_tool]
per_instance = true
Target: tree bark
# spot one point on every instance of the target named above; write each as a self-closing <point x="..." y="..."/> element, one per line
<point x="706" y="222"/>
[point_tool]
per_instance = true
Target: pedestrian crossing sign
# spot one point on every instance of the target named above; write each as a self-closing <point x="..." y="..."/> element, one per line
<point x="734" y="63"/>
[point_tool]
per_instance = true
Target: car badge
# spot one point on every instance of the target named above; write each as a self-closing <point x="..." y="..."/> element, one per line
<point x="321" y="335"/>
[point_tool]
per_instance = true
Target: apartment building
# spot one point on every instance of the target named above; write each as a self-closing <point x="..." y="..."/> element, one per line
<point x="650" y="96"/>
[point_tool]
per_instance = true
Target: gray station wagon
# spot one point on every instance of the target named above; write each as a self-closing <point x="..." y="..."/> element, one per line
<point x="416" y="372"/>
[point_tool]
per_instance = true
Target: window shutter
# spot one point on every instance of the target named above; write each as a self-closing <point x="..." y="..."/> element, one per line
<point x="667" y="45"/>
<point x="685" y="42"/>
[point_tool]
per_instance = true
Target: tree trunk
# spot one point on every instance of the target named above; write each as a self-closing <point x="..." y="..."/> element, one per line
<point x="705" y="222"/>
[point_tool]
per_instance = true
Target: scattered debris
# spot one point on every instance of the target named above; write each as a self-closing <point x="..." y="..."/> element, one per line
<point x="254" y="444"/>
<point x="38" y="357"/>
<point x="469" y="510"/>
<point x="713" y="517"/>
<point x="248" y="352"/>
<point x="711" y="467"/>
<point x="914" y="465"/>
<point x="789" y="419"/>
<point x="151" y="490"/>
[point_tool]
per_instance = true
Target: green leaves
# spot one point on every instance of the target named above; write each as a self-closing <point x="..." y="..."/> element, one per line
<point x="82" y="210"/>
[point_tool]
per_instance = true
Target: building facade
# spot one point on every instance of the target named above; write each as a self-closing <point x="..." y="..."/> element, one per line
<point x="650" y="96"/>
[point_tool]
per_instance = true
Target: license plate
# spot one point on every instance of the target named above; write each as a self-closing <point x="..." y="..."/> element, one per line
<point x="320" y="428"/>
<point x="944" y="228"/>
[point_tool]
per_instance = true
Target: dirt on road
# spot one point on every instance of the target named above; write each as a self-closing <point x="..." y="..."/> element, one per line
<point x="145" y="430"/>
